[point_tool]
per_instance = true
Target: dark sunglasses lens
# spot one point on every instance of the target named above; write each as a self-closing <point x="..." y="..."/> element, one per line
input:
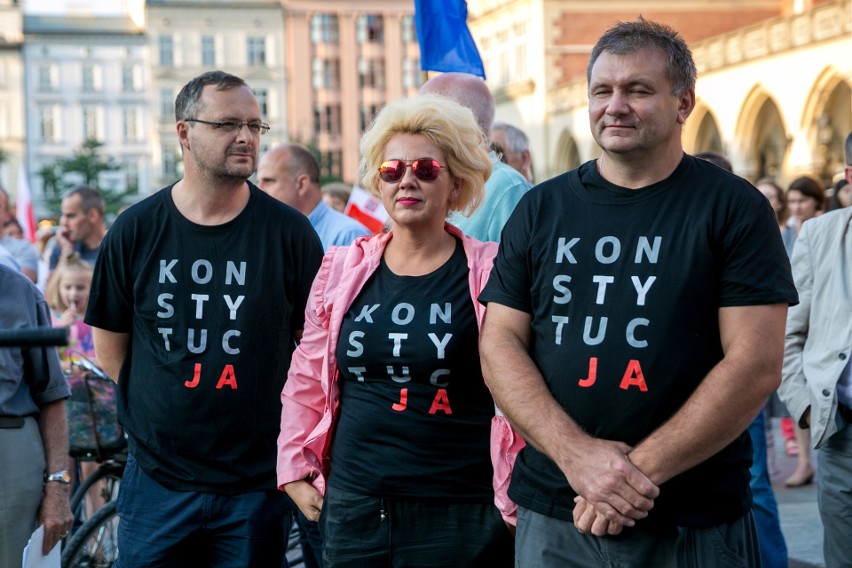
<point x="391" y="171"/>
<point x="426" y="170"/>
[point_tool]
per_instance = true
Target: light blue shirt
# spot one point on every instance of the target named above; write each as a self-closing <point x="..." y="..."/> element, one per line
<point x="6" y="259"/>
<point x="24" y="252"/>
<point x="503" y="190"/>
<point x="333" y="227"/>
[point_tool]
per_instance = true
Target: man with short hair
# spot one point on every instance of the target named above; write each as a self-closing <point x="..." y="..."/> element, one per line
<point x="505" y="186"/>
<point x="817" y="375"/>
<point x="514" y="146"/>
<point x="24" y="252"/>
<point x="634" y="329"/>
<point x="34" y="481"/>
<point x="82" y="225"/>
<point x="290" y="174"/>
<point x="197" y="301"/>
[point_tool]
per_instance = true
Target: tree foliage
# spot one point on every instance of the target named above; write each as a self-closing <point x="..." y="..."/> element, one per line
<point x="84" y="167"/>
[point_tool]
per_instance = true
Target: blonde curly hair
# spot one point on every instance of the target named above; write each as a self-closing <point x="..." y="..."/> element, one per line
<point x="449" y="126"/>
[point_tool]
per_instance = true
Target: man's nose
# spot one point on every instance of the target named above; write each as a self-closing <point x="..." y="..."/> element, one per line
<point x="617" y="104"/>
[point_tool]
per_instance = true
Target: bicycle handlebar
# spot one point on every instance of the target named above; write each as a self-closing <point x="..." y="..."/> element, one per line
<point x="34" y="337"/>
<point x="86" y="364"/>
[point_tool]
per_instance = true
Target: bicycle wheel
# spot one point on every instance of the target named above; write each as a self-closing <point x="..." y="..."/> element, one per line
<point x="95" y="544"/>
<point x="111" y="471"/>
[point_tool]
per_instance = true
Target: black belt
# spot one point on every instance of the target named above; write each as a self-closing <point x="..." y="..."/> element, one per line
<point x="11" y="421"/>
<point x="845" y="412"/>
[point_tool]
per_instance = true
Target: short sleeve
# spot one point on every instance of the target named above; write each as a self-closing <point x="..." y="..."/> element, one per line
<point x="110" y="303"/>
<point x="510" y="282"/>
<point x="755" y="266"/>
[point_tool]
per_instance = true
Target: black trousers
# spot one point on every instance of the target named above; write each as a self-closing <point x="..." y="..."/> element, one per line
<point x="371" y="532"/>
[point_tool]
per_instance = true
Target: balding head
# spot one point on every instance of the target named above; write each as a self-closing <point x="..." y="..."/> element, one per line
<point x="290" y="174"/>
<point x="469" y="91"/>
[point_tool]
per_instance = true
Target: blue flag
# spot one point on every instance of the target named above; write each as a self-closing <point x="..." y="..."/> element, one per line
<point x="445" y="41"/>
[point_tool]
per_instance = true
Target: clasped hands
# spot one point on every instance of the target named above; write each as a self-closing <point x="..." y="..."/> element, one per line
<point x="612" y="492"/>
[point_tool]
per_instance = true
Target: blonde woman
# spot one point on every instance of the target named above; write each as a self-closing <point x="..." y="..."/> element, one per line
<point x="386" y="420"/>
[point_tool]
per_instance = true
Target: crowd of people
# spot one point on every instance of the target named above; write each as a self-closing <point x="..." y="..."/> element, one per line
<point x="577" y="374"/>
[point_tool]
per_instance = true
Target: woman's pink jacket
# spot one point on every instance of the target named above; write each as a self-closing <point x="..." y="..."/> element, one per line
<point x="311" y="395"/>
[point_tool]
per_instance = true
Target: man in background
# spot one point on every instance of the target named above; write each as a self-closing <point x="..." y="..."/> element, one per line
<point x="34" y="480"/>
<point x="24" y="252"/>
<point x="290" y="174"/>
<point x="817" y="375"/>
<point x="82" y="225"/>
<point x="506" y="186"/>
<point x="514" y="146"/>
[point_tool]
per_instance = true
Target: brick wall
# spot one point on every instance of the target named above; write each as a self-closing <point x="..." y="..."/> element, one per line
<point x="579" y="28"/>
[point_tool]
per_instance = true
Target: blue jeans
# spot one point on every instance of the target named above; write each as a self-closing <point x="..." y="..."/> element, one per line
<point x="773" y="549"/>
<point x="162" y="528"/>
<point x="311" y="541"/>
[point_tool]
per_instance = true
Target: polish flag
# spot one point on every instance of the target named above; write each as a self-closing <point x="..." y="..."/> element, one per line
<point x="366" y="209"/>
<point x="24" y="206"/>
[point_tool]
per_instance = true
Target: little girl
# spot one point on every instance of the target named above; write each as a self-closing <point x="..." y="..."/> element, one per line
<point x="67" y="295"/>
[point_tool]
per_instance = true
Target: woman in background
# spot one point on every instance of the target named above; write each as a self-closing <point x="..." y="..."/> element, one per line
<point x="778" y="200"/>
<point x="806" y="199"/>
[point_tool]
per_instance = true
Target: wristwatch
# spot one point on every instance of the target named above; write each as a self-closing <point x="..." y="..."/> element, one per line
<point x="62" y="477"/>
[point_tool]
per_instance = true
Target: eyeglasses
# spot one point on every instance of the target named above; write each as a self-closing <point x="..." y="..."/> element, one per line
<point x="425" y="169"/>
<point x="233" y="125"/>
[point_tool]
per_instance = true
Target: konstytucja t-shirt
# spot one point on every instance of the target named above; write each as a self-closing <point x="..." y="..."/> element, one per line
<point x="212" y="313"/>
<point x="624" y="287"/>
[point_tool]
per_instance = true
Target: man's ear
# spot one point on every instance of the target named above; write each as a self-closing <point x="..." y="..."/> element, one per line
<point x="92" y="215"/>
<point x="686" y="104"/>
<point x="183" y="134"/>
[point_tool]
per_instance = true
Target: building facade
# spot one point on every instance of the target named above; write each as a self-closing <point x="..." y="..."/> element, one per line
<point x="344" y="61"/>
<point x="12" y="123"/>
<point x="85" y="79"/>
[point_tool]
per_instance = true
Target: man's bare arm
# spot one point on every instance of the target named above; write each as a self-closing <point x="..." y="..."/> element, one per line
<point x="111" y="350"/>
<point x="54" y="511"/>
<point x="596" y="469"/>
<point x="728" y="398"/>
<point x="719" y="410"/>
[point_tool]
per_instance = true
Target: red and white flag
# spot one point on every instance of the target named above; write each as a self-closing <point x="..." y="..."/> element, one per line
<point x="24" y="206"/>
<point x="366" y="209"/>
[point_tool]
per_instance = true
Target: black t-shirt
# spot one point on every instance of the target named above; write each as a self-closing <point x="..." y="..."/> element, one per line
<point x="624" y="288"/>
<point x="211" y="311"/>
<point x="415" y="414"/>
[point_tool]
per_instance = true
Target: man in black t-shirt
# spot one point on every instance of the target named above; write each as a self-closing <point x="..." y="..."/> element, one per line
<point x="197" y="300"/>
<point x="635" y="327"/>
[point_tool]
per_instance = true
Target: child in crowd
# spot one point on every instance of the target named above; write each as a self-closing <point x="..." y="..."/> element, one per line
<point x="67" y="295"/>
